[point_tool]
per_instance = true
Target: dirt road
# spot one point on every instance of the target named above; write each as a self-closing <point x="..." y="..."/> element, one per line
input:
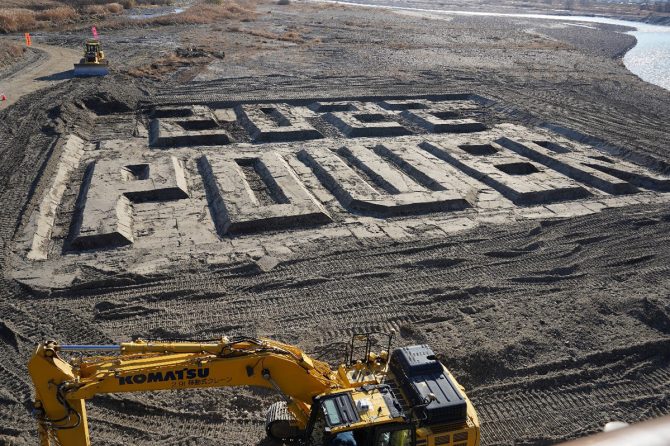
<point x="54" y="66"/>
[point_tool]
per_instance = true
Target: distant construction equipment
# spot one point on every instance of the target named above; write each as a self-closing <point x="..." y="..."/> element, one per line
<point x="93" y="63"/>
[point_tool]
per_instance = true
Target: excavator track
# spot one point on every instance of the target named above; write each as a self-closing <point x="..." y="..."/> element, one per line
<point x="279" y="423"/>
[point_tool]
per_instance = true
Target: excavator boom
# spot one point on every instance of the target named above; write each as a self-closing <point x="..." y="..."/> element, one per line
<point x="144" y="366"/>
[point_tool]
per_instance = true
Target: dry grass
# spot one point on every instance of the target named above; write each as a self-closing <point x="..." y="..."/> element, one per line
<point x="16" y="20"/>
<point x="159" y="68"/>
<point x="210" y="13"/>
<point x="94" y="10"/>
<point x="115" y="8"/>
<point x="188" y="62"/>
<point x="22" y="20"/>
<point x="30" y="4"/>
<point x="61" y="14"/>
<point x="30" y="15"/>
<point x="83" y="4"/>
<point x="102" y="10"/>
<point x="201" y="13"/>
<point x="155" y="2"/>
<point x="291" y="35"/>
<point x="321" y="6"/>
<point x="288" y="36"/>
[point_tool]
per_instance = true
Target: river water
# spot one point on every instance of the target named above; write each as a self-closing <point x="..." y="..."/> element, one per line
<point x="149" y="13"/>
<point x="649" y="59"/>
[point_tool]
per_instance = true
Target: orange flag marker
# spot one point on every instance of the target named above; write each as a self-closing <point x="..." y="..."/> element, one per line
<point x="28" y="40"/>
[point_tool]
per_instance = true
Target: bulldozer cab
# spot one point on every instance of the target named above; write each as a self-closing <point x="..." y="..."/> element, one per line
<point x="92" y="46"/>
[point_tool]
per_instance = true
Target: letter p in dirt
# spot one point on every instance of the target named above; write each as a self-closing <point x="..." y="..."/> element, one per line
<point x="109" y="191"/>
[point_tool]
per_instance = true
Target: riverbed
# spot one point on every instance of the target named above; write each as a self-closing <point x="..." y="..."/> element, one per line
<point x="649" y="59"/>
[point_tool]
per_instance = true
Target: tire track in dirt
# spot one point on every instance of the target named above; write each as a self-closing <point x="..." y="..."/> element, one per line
<point x="332" y="299"/>
<point x="407" y="282"/>
<point x="26" y="155"/>
<point x="569" y="401"/>
<point x="598" y="117"/>
<point x="542" y="358"/>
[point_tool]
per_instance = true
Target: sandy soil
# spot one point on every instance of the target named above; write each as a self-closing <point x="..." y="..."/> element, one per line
<point x="52" y="65"/>
<point x="555" y="326"/>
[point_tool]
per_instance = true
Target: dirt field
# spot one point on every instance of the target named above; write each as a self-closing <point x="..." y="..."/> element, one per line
<point x="551" y="307"/>
<point x="659" y="13"/>
<point x="10" y="54"/>
<point x="43" y="67"/>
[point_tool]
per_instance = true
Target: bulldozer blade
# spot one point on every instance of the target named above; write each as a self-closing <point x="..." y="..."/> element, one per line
<point x="84" y="70"/>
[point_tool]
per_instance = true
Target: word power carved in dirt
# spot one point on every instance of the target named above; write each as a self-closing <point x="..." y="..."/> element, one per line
<point x="258" y="178"/>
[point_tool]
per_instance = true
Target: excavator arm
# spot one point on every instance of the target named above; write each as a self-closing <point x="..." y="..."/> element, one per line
<point x="62" y="386"/>
<point x="406" y="397"/>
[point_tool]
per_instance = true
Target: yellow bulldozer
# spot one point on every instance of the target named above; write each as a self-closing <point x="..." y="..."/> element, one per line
<point x="403" y="398"/>
<point x="93" y="63"/>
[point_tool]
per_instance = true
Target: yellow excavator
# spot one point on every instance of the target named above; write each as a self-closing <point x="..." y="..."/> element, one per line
<point x="93" y="63"/>
<point x="405" y="398"/>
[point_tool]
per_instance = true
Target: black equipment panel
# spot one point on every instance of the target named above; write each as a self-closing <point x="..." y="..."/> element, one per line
<point x="419" y="374"/>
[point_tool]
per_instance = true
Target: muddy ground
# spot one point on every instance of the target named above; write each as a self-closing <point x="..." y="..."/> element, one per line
<point x="555" y="326"/>
<point x="628" y="11"/>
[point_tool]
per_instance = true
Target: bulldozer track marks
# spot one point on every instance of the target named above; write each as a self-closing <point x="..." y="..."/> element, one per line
<point x="551" y="398"/>
<point x="554" y="325"/>
<point x="566" y="410"/>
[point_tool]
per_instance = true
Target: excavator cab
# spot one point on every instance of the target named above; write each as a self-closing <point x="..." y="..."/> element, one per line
<point x="387" y="435"/>
<point x="395" y="435"/>
<point x="365" y="416"/>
